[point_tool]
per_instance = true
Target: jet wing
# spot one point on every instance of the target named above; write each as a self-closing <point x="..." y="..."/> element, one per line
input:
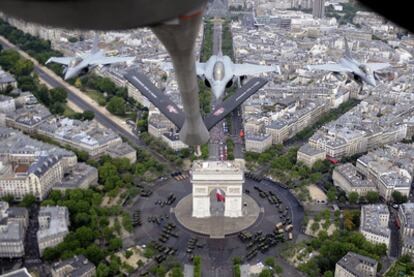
<point x="335" y="67"/>
<point x="231" y="103"/>
<point x="60" y="60"/>
<point x="200" y="68"/>
<point x="378" y="66"/>
<point x="111" y="60"/>
<point x="253" y="69"/>
<point x="156" y="97"/>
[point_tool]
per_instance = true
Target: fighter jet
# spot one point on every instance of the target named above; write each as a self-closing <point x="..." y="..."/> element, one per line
<point x="219" y="72"/>
<point x="76" y="66"/>
<point x="359" y="72"/>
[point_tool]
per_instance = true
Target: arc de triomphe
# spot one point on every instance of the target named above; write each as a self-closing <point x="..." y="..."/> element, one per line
<point x="227" y="176"/>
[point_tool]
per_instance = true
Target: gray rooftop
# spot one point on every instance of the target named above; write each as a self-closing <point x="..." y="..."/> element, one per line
<point x="352" y="262"/>
<point x="307" y="149"/>
<point x="74" y="267"/>
<point x="58" y="218"/>
<point x="372" y="222"/>
<point x="407" y="211"/>
<point x="349" y="172"/>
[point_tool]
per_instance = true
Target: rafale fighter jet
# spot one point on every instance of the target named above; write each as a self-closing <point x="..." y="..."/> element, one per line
<point x="219" y="72"/>
<point x="76" y="66"/>
<point x="359" y="72"/>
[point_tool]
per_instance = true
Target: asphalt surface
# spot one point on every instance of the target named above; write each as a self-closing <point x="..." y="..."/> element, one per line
<point x="100" y="117"/>
<point x="236" y="126"/>
<point x="395" y="234"/>
<point x="216" y="254"/>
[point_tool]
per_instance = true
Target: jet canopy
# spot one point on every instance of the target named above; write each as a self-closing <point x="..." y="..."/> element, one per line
<point x="218" y="71"/>
<point x="74" y="62"/>
<point x="365" y="69"/>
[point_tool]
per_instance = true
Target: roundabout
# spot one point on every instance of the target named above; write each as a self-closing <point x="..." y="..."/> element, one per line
<point x="214" y="250"/>
<point x="217" y="226"/>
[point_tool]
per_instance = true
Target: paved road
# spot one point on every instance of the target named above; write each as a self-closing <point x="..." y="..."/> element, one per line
<point x="395" y="234"/>
<point x="84" y="105"/>
<point x="236" y="126"/>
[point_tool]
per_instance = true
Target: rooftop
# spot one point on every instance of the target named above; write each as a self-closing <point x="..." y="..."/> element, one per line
<point x="76" y="266"/>
<point x="407" y="212"/>
<point x="58" y="221"/>
<point x="372" y="222"/>
<point x="352" y="262"/>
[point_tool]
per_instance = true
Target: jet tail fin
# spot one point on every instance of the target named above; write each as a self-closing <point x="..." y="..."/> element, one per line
<point x="348" y="53"/>
<point x="95" y="46"/>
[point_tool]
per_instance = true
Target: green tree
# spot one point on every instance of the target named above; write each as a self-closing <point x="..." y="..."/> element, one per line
<point x="197" y="266"/>
<point x="58" y="95"/>
<point x="353" y="197"/>
<point x="270" y="261"/>
<point x="57" y="108"/>
<point x="266" y="273"/>
<point x="50" y="254"/>
<point x="331" y="195"/>
<point x="88" y="115"/>
<point x="278" y="269"/>
<point x="398" y="197"/>
<point x="9" y="198"/>
<point x="95" y="254"/>
<point x="372" y="197"/>
<point x="321" y="166"/>
<point x="315" y="226"/>
<point x="23" y="67"/>
<point x="85" y="235"/>
<point x="328" y="274"/>
<point x="28" y="200"/>
<point x="116" y="105"/>
<point x="115" y="244"/>
<point x="102" y="270"/>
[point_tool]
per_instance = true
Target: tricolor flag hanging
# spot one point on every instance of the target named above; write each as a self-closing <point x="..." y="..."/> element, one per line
<point x="219" y="196"/>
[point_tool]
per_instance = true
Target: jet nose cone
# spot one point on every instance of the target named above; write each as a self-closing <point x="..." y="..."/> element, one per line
<point x="217" y="91"/>
<point x="69" y="74"/>
<point x="372" y="82"/>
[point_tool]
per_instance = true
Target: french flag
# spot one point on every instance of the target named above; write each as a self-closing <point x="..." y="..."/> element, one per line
<point x="219" y="196"/>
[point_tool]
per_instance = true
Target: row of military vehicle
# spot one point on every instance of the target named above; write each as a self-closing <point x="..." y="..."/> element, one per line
<point x="157" y="219"/>
<point x="163" y="251"/>
<point x="179" y="176"/>
<point x="258" y="242"/>
<point x="170" y="200"/>
<point x="191" y="245"/>
<point x="136" y="218"/>
<point x="167" y="232"/>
